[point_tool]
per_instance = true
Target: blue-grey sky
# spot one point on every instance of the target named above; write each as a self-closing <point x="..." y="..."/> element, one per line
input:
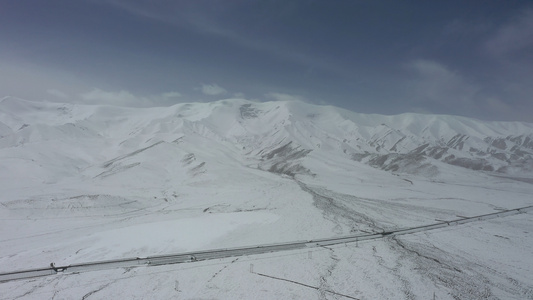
<point x="472" y="58"/>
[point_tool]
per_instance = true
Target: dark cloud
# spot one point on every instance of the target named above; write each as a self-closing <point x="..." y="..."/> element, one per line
<point x="472" y="59"/>
<point x="516" y="36"/>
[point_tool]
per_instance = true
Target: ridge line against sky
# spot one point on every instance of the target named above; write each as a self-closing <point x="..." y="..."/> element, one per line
<point x="470" y="58"/>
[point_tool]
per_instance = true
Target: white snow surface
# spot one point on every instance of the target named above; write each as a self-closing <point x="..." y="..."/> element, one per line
<point x="81" y="183"/>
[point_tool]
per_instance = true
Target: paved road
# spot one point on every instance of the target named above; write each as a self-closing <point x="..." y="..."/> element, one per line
<point x="242" y="251"/>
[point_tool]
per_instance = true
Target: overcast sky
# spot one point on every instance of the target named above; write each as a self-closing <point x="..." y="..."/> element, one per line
<point x="459" y="57"/>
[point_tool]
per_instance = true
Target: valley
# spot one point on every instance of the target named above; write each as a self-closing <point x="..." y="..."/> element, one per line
<point x="84" y="183"/>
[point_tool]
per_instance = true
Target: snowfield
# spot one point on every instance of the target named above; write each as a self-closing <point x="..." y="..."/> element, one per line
<point x="83" y="183"/>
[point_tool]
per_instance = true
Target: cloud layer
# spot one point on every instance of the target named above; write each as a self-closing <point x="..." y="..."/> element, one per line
<point x="126" y="98"/>
<point x="514" y="36"/>
<point x="213" y="90"/>
<point x="367" y="56"/>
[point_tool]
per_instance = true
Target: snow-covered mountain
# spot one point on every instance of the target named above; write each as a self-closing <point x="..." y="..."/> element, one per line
<point x="57" y="141"/>
<point x="89" y="182"/>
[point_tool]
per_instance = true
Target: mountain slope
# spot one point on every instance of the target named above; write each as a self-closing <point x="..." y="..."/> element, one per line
<point x="82" y="183"/>
<point x="274" y="133"/>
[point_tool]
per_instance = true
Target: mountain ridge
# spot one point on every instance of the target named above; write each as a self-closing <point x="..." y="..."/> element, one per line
<point x="278" y="136"/>
<point x="89" y="183"/>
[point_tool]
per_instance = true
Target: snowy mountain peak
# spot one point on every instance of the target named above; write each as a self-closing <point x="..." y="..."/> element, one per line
<point x="85" y="183"/>
<point x="281" y="137"/>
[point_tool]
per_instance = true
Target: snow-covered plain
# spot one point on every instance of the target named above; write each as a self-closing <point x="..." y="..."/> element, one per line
<point x="87" y="183"/>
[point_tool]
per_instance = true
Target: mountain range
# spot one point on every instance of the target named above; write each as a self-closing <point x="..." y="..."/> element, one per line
<point x="278" y="137"/>
<point x="82" y="183"/>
